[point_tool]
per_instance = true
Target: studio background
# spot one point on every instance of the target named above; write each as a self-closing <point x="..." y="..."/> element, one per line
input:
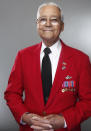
<point x="18" y="30"/>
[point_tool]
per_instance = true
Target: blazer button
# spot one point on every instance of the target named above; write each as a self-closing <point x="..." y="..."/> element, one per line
<point x="44" y="113"/>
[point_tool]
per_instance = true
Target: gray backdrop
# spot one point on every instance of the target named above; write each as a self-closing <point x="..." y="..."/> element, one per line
<point x="18" y="30"/>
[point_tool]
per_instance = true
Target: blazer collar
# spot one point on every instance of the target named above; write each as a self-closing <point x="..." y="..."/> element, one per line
<point x="66" y="51"/>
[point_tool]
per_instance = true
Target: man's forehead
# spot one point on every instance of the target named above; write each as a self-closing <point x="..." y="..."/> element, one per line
<point x="49" y="10"/>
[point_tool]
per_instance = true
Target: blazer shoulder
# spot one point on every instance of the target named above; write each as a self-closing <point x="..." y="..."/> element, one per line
<point x="76" y="52"/>
<point x="30" y="49"/>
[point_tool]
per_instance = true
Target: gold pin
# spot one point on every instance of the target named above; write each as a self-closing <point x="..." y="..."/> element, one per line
<point x="64" y="63"/>
<point x="63" y="90"/>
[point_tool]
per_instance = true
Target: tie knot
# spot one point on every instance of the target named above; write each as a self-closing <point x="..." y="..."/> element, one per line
<point x="47" y="51"/>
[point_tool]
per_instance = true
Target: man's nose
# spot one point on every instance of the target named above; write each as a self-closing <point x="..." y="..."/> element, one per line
<point x="48" y="22"/>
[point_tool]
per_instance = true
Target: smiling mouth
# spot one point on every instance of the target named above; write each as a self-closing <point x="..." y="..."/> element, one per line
<point x="47" y="30"/>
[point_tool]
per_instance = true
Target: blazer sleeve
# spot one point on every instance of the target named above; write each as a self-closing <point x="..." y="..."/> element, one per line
<point x="82" y="110"/>
<point x="14" y="91"/>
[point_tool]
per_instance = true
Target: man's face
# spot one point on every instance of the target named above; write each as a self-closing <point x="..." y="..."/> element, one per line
<point x="49" y="23"/>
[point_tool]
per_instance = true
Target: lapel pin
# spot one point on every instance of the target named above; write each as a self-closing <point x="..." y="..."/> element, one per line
<point x="63" y="67"/>
<point x="64" y="63"/>
<point x="68" y="77"/>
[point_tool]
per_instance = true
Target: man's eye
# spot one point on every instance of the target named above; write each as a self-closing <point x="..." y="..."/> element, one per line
<point x="54" y="20"/>
<point x="42" y="19"/>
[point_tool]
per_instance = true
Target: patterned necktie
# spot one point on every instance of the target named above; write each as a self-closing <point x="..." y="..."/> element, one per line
<point x="46" y="74"/>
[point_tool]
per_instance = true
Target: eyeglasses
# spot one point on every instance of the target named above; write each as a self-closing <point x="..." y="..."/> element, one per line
<point x="53" y="20"/>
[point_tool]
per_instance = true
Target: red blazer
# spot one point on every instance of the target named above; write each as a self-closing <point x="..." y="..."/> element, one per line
<point x="70" y="94"/>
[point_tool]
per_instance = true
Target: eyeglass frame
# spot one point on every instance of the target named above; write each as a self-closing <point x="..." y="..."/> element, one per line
<point x="50" y="19"/>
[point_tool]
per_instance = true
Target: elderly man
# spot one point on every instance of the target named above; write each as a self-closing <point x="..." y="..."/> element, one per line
<point x="56" y="80"/>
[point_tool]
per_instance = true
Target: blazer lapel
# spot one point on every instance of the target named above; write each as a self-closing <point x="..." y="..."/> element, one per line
<point x="64" y="66"/>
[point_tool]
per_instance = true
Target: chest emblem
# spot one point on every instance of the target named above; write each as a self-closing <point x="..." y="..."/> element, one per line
<point x="68" y="77"/>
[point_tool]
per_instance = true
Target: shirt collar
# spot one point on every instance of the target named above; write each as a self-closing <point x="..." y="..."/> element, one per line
<point x="55" y="48"/>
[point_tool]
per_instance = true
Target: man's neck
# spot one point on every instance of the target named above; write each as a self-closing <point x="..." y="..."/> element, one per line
<point x="50" y="43"/>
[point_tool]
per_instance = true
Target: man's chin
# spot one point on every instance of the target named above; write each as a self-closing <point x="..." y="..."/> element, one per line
<point x="48" y="39"/>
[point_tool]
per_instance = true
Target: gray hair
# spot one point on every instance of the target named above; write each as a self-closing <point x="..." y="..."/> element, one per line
<point x="54" y="4"/>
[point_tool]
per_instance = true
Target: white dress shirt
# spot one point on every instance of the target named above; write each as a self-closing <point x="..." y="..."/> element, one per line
<point x="54" y="56"/>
